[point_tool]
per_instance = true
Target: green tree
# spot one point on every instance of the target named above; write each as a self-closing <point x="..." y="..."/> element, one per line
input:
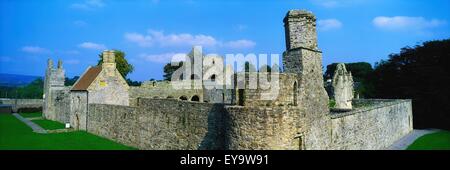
<point x="121" y="63"/>
<point x="34" y="90"/>
<point x="169" y="70"/>
<point x="133" y="83"/>
<point x="71" y="81"/>
<point x="360" y="72"/>
<point x="420" y="73"/>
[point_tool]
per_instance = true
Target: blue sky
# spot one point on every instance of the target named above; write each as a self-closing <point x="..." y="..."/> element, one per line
<point x="150" y="31"/>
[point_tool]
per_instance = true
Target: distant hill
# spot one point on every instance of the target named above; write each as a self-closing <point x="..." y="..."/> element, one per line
<point x="14" y="80"/>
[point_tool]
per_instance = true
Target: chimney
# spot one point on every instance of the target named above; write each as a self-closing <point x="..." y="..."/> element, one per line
<point x="109" y="63"/>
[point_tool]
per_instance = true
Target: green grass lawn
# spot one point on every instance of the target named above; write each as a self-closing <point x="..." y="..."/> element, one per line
<point x="30" y="115"/>
<point x="15" y="135"/>
<point x="434" y="141"/>
<point x="49" y="125"/>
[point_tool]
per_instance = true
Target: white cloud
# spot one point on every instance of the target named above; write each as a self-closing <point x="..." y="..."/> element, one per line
<point x="141" y="40"/>
<point x="91" y="45"/>
<point x="88" y="5"/>
<point x="329" y="24"/>
<point x="405" y="23"/>
<point x="163" y="58"/>
<point x="163" y="40"/>
<point x="158" y="38"/>
<point x="240" y="44"/>
<point x="34" y="49"/>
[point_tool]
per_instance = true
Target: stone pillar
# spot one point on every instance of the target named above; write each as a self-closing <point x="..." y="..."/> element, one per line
<point x="46" y="96"/>
<point x="303" y="57"/>
<point x="343" y="88"/>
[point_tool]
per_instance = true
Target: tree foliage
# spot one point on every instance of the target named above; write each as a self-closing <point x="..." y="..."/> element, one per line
<point x="121" y="63"/>
<point x="71" y="81"/>
<point x="361" y="72"/>
<point x="421" y="73"/>
<point x="34" y="90"/>
<point x="169" y="70"/>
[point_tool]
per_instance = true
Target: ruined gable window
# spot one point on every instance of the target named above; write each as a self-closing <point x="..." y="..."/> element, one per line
<point x="195" y="98"/>
<point x="183" y="98"/>
<point x="181" y="77"/>
<point x="213" y="78"/>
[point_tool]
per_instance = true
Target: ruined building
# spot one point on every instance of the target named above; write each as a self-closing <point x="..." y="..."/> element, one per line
<point x="343" y="88"/>
<point x="293" y="113"/>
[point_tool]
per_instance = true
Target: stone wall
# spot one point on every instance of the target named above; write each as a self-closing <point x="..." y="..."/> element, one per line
<point x="21" y="104"/>
<point x="161" y="91"/>
<point x="259" y="128"/>
<point x="61" y="106"/>
<point x="375" y="125"/>
<point x="266" y="91"/>
<point x="78" y="109"/>
<point x="109" y="88"/>
<point x="160" y="124"/>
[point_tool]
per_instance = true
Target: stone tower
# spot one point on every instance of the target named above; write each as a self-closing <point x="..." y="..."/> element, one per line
<point x="303" y="57"/>
<point x="300" y="29"/>
<point x="54" y="81"/>
<point x="343" y="88"/>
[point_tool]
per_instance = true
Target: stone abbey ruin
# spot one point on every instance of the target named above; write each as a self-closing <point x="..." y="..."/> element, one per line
<point x="157" y="116"/>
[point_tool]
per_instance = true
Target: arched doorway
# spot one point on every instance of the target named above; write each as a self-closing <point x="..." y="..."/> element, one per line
<point x="183" y="98"/>
<point x="195" y="98"/>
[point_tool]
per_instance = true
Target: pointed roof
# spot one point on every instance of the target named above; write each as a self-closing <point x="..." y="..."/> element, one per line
<point x="86" y="80"/>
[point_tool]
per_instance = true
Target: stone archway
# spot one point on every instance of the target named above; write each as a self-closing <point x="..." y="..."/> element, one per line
<point x="183" y="98"/>
<point x="195" y="98"/>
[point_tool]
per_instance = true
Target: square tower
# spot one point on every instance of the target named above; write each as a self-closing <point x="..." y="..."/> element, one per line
<point x="300" y="29"/>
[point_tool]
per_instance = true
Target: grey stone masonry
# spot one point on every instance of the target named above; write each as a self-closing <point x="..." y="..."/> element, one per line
<point x="300" y="29"/>
<point x="343" y="88"/>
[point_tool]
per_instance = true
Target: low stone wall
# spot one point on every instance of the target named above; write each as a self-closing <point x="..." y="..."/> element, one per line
<point x="162" y="93"/>
<point x="376" y="124"/>
<point x="19" y="105"/>
<point x="159" y="124"/>
<point x="257" y="128"/>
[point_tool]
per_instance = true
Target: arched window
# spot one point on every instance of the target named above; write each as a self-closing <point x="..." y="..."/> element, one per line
<point x="181" y="77"/>
<point x="213" y="78"/>
<point x="183" y="98"/>
<point x="195" y="98"/>
<point x="295" y="94"/>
